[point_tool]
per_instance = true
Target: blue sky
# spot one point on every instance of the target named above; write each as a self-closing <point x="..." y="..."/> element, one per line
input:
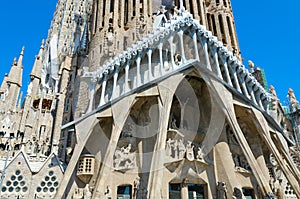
<point x="268" y="32"/>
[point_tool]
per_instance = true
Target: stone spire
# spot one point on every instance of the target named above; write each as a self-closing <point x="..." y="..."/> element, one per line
<point x="12" y="84"/>
<point x="37" y="67"/>
<point x="4" y="84"/>
<point x="16" y="71"/>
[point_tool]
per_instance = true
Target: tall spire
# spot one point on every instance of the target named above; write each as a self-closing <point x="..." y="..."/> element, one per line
<point x="37" y="67"/>
<point x="15" y="74"/>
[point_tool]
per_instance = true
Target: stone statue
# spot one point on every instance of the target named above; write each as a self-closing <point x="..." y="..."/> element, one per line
<point x="176" y="12"/>
<point x="244" y="163"/>
<point x="236" y="160"/>
<point x="82" y="193"/>
<point x="86" y="192"/>
<point x="190" y="151"/>
<point x="169" y="146"/>
<point x="237" y="193"/>
<point x="294" y="104"/>
<point x="181" y="149"/>
<point x="221" y="190"/>
<point x="274" y="98"/>
<point x="199" y="154"/>
<point x="177" y="59"/>
<point x="273" y="92"/>
<point x="173" y="123"/>
<point x="241" y="162"/>
<point x="175" y="149"/>
<point x="251" y="66"/>
<point x="136" y="185"/>
<point x="141" y="24"/>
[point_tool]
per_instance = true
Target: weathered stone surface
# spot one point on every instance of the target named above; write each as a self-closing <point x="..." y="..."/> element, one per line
<point x="145" y="99"/>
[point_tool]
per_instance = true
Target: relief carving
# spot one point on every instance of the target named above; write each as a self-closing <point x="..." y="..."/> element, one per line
<point x="124" y="158"/>
<point x="177" y="150"/>
<point x="241" y="163"/>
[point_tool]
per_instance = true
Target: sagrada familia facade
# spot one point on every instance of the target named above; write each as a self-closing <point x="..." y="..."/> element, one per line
<point x="145" y="99"/>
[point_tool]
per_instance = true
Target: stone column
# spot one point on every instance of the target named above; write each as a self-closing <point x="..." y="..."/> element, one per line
<point x="92" y="85"/>
<point x="119" y="119"/>
<point x="149" y="53"/>
<point x="104" y="81"/>
<point x="184" y="191"/>
<point x="250" y="88"/>
<point x="127" y="77"/>
<point x="217" y="65"/>
<point x="161" y="59"/>
<point x="235" y="78"/>
<point x="205" y="48"/>
<point x="226" y="71"/>
<point x="196" y="45"/>
<point x="172" y="52"/>
<point x="138" y="70"/>
<point x="116" y="74"/>
<point x="167" y="89"/>
<point x="180" y="34"/>
<point x="242" y="78"/>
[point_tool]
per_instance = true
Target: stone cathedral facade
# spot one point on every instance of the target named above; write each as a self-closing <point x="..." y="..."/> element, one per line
<point x="145" y="99"/>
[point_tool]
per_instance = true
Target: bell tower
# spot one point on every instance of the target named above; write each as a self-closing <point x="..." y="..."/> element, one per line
<point x="115" y="26"/>
<point x="220" y="21"/>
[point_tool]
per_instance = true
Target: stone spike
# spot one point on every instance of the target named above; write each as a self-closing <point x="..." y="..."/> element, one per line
<point x="20" y="60"/>
<point x="36" y="69"/>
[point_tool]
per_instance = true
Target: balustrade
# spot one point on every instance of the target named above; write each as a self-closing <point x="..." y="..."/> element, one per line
<point x="224" y="64"/>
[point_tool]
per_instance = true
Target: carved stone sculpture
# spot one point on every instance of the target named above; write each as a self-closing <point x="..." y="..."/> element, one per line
<point x="222" y="190"/>
<point x="241" y="162"/>
<point x="124" y="159"/>
<point x="87" y="193"/>
<point x="181" y="149"/>
<point x="199" y="154"/>
<point x="190" y="151"/>
<point x="294" y="104"/>
<point x="237" y="193"/>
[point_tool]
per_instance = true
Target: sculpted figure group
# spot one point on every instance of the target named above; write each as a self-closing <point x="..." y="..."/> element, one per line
<point x="124" y="158"/>
<point x="176" y="149"/>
